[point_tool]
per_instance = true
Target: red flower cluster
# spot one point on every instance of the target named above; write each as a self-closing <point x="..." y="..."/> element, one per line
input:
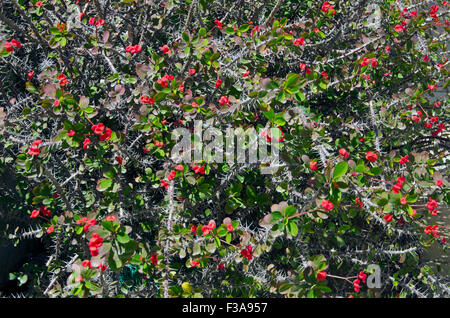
<point x="171" y="175"/>
<point x="439" y="182"/>
<point x="159" y="143"/>
<point x="44" y="210"/>
<point x="404" y="160"/>
<point x="208" y="228"/>
<point x="133" y="49"/>
<point x="154" y="259"/>
<point x="34" y="148"/>
<point x="373" y="61"/>
<point x="356" y="282"/>
<point x="218" y="24"/>
<point x="371" y="156"/>
<point x="358" y="200"/>
<point x="62" y="79"/>
<point x="313" y="165"/>
<point x="87" y="223"/>
<point x="247" y="252"/>
<point x="432" y="229"/>
<point x="440" y="128"/>
<point x="9" y="45"/>
<point x="94" y="243"/>
<point x="398" y="186"/>
<point x="98" y="23"/>
<point x="327" y="7"/>
<point x="86" y="263"/>
<point x="164" y="184"/>
<point x="147" y="100"/>
<point x="299" y="41"/>
<point x="432" y="205"/>
<point x="164" y="81"/>
<point x="165" y="49"/>
<point x="433" y="10"/>
<point x="224" y="100"/>
<point x="218" y="83"/>
<point x="344" y="153"/>
<point x="388" y="217"/>
<point x="321" y="275"/>
<point x="327" y="205"/>
<point x="399" y="28"/>
<point x="99" y="129"/>
<point x="198" y="169"/>
<point x="195" y="263"/>
<point x="86" y="142"/>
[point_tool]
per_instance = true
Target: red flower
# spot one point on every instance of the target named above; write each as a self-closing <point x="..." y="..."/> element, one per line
<point x="86" y="142"/>
<point x="195" y="264"/>
<point x="388" y="217"/>
<point x="100" y="22"/>
<point x="387" y="48"/>
<point x="165" y="49"/>
<point x="403" y="200"/>
<point x="321" y="275"/>
<point x="229" y="227"/>
<point x="399" y="28"/>
<point x="38" y="4"/>
<point x="119" y="160"/>
<point x="299" y="41"/>
<point x="344" y="153"/>
<point x="30" y="75"/>
<point x="404" y="160"/>
<point x="16" y="43"/>
<point x="34" y="151"/>
<point x="218" y="83"/>
<point x="179" y="168"/>
<point x="45" y="211"/>
<point x="371" y="156"/>
<point x="247" y="252"/>
<point x="34" y="214"/>
<point x="313" y="165"/>
<point x="71" y="133"/>
<point x="91" y="21"/>
<point x="224" y="100"/>
<point x="439" y="182"/>
<point x="79" y="278"/>
<point x="193" y="229"/>
<point x="106" y="135"/>
<point x="89" y="223"/>
<point x="198" y="169"/>
<point x="192" y="71"/>
<point x="432" y="229"/>
<point x="218" y="23"/>
<point x="221" y="266"/>
<point x="98" y="129"/>
<point x="356" y="285"/>
<point x="164" y="184"/>
<point x="154" y="259"/>
<point x="171" y="175"/>
<point x="324" y="74"/>
<point x="111" y="218"/>
<point x="327" y="205"/>
<point x="86" y="263"/>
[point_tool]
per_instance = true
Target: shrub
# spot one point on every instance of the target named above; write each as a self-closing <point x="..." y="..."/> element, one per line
<point x="93" y="91"/>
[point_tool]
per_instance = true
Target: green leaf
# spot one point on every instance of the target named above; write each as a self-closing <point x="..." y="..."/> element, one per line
<point x="340" y="170"/>
<point x="293" y="228"/>
<point x="122" y="238"/>
<point x="104" y="184"/>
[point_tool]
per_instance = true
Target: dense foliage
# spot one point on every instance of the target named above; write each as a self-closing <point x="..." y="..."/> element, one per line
<point x="92" y="90"/>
